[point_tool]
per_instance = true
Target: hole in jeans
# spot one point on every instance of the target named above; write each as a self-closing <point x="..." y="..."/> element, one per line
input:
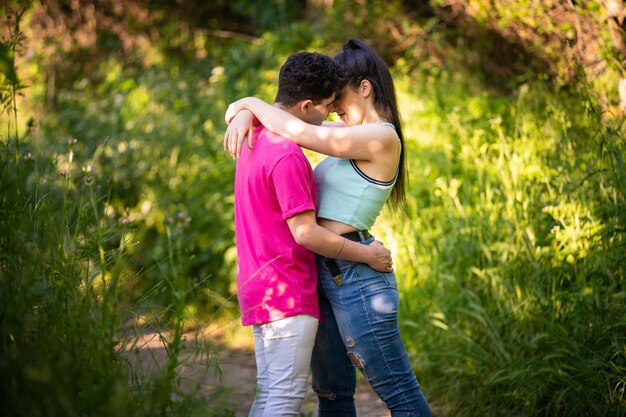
<point x="356" y="360"/>
<point x="329" y="395"/>
<point x="350" y="342"/>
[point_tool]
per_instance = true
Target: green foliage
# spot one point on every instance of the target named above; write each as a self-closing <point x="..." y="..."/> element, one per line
<point x="64" y="278"/>
<point x="7" y="60"/>
<point x="511" y="254"/>
<point x="162" y="157"/>
<point x="159" y="132"/>
<point x="266" y="15"/>
<point x="63" y="299"/>
<point x="52" y="316"/>
<point x="515" y="235"/>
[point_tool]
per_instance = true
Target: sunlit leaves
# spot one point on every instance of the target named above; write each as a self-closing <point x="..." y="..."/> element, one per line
<point x="7" y="63"/>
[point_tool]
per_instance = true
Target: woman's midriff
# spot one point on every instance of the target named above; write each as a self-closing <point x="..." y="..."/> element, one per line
<point x="335" y="226"/>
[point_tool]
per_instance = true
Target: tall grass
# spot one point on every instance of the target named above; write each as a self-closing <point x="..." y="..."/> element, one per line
<point x="152" y="126"/>
<point x="513" y="250"/>
<point x="511" y="254"/>
<point x="65" y="346"/>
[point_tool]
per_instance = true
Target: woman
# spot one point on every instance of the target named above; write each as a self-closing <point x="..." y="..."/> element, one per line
<point x="365" y="169"/>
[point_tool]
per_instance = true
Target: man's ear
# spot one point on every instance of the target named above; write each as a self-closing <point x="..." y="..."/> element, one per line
<point x="305" y="105"/>
<point x="365" y="88"/>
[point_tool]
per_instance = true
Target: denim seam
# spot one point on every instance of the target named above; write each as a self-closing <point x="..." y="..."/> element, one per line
<point x="395" y="381"/>
<point x="291" y="380"/>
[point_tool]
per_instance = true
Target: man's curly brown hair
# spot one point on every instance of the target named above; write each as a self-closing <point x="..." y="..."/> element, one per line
<point x="308" y="76"/>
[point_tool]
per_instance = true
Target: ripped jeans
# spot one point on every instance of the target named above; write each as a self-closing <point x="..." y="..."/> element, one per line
<point x="359" y="329"/>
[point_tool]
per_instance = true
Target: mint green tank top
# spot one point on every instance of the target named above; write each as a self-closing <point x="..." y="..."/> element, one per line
<point x="347" y="195"/>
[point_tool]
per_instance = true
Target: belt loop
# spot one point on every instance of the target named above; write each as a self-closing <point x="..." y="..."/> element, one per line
<point x="361" y="236"/>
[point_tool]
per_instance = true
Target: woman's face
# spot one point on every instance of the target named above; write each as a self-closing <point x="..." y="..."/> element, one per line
<point x="349" y="106"/>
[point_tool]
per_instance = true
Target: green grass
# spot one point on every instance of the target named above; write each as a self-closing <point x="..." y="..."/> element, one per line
<point x="65" y="302"/>
<point x="117" y="205"/>
<point x="512" y="254"/>
<point x="69" y="288"/>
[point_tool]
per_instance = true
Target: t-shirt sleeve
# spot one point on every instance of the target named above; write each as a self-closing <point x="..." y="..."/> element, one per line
<point x="293" y="181"/>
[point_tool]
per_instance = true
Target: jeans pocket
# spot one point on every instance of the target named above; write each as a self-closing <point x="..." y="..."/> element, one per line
<point x="270" y="333"/>
<point x="335" y="272"/>
<point x="337" y="269"/>
<point x="277" y="330"/>
<point x="367" y="274"/>
<point x="390" y="279"/>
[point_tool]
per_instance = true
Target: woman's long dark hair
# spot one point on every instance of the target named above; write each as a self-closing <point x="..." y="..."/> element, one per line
<point x="360" y="63"/>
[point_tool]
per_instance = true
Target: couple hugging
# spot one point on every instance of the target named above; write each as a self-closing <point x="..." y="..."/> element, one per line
<point x="315" y="286"/>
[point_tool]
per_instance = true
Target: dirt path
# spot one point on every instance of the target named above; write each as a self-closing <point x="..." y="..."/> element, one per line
<point x="234" y="354"/>
<point x="239" y="369"/>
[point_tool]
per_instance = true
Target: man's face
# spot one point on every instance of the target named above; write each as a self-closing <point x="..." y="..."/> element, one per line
<point x="316" y="114"/>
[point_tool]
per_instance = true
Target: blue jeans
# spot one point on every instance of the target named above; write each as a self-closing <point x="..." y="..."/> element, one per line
<point x="359" y="329"/>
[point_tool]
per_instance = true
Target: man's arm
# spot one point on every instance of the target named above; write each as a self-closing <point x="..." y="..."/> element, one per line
<point x="314" y="237"/>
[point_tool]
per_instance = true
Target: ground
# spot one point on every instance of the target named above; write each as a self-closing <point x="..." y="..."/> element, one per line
<point x="232" y="351"/>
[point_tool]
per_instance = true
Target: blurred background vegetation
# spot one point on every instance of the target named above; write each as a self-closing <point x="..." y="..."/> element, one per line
<point x="116" y="203"/>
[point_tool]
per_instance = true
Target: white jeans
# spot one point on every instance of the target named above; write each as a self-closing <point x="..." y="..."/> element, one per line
<point x="283" y="357"/>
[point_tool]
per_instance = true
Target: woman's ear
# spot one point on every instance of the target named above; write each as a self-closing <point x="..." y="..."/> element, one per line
<point x="365" y="88"/>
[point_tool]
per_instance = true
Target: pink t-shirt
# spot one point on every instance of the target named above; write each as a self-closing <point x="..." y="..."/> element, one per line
<point x="276" y="277"/>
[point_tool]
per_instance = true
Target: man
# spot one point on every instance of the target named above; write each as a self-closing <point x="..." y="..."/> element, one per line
<point x="277" y="234"/>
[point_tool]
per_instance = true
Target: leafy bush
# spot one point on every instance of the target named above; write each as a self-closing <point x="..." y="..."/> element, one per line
<point x="163" y="162"/>
<point x="159" y="132"/>
<point x="514" y="288"/>
<point x="510" y="253"/>
<point x="64" y="272"/>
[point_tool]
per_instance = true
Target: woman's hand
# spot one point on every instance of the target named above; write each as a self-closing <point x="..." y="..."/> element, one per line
<point x="239" y="129"/>
<point x="380" y="257"/>
<point x="234" y="108"/>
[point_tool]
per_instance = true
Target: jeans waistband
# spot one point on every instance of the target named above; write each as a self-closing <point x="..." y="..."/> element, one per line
<point x="358" y="235"/>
